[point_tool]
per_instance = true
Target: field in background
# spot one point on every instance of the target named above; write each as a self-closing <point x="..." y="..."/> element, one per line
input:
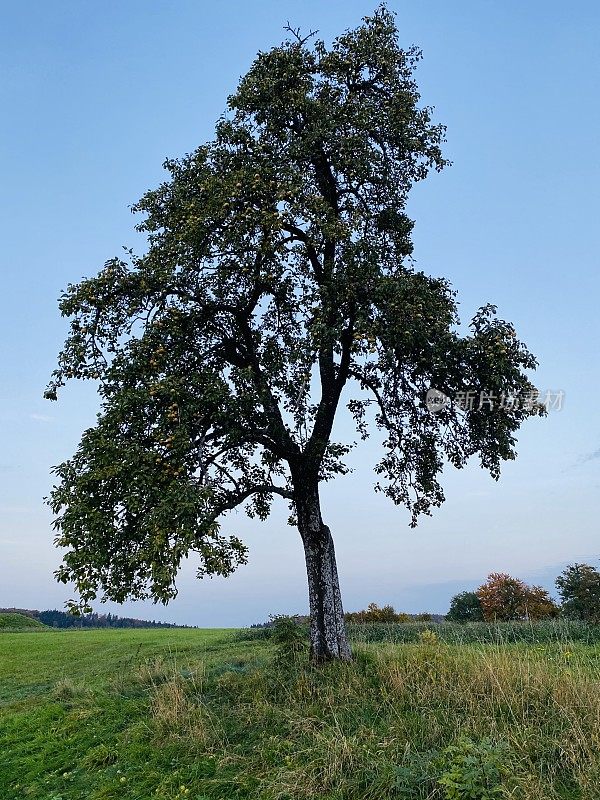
<point x="207" y="714"/>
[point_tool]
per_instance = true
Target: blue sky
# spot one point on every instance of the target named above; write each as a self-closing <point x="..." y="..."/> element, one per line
<point x="95" y="96"/>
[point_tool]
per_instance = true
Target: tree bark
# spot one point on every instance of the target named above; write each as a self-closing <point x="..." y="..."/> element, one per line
<point x="328" y="638"/>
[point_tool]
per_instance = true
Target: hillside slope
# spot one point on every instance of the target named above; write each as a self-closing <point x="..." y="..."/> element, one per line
<point x="19" y="622"/>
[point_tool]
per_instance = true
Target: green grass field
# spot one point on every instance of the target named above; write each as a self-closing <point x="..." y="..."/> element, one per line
<point x="204" y="714"/>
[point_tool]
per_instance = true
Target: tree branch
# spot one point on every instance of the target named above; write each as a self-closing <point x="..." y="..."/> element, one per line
<point x="311" y="251"/>
<point x="302" y="40"/>
<point x="234" y="499"/>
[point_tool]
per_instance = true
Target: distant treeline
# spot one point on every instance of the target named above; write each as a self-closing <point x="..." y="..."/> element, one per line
<point x="62" y="619"/>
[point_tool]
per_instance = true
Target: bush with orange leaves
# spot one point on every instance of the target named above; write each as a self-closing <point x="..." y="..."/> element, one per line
<point x="504" y="598"/>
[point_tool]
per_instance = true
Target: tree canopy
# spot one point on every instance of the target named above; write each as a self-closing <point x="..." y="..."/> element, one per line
<point x="465" y="607"/>
<point x="504" y="598"/>
<point x="579" y="589"/>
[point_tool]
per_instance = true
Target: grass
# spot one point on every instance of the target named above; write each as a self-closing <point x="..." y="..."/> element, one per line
<point x="548" y="631"/>
<point x="11" y="622"/>
<point x="563" y="631"/>
<point x="173" y="714"/>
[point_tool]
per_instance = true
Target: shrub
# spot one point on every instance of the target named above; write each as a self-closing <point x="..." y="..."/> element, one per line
<point x="289" y="637"/>
<point x="423" y="617"/>
<point x="373" y="613"/>
<point x="428" y="637"/>
<point x="473" y="770"/>
<point x="539" y="604"/>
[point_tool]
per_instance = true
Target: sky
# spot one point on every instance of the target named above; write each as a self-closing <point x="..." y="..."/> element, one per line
<point x="95" y="96"/>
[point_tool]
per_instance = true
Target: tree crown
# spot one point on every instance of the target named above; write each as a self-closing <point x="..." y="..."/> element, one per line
<point x="277" y="273"/>
<point x="579" y="589"/>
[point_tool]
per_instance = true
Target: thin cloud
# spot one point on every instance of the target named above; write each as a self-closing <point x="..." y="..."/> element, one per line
<point x="591" y="456"/>
<point x="41" y="417"/>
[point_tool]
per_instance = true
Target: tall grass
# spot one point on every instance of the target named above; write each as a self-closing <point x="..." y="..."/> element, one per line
<point x="543" y="632"/>
<point x="379" y="728"/>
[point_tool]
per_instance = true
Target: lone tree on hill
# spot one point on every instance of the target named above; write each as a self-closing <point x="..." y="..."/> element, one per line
<point x="277" y="278"/>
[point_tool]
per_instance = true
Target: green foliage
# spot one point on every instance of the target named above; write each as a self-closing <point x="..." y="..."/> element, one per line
<point x="425" y="616"/>
<point x="579" y="589"/>
<point x="465" y="607"/>
<point x="62" y="619"/>
<point x="277" y="272"/>
<point x="289" y="636"/>
<point x="373" y="613"/>
<point x="473" y="770"/>
<point x="416" y="773"/>
<point x="539" y="604"/>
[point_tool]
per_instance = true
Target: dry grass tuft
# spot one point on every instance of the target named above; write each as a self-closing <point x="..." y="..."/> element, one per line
<point x="178" y="709"/>
<point x="69" y="691"/>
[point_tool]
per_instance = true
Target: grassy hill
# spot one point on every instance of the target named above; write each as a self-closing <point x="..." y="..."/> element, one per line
<point x="206" y="715"/>
<point x="19" y="622"/>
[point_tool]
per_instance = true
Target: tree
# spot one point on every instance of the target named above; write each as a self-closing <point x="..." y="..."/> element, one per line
<point x="539" y="604"/>
<point x="504" y="599"/>
<point x="465" y="607"/>
<point x="579" y="590"/>
<point x="277" y="277"/>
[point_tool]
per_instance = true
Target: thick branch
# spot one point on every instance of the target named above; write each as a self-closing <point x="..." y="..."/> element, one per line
<point x="330" y="397"/>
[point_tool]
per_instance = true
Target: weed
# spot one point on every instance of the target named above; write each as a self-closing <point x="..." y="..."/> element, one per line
<point x="428" y="637"/>
<point x="473" y="770"/>
<point x="289" y="637"/>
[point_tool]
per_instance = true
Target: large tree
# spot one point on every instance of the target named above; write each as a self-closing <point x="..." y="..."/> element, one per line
<point x="277" y="278"/>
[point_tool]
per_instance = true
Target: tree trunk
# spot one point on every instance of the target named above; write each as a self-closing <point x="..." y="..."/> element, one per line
<point x="327" y="627"/>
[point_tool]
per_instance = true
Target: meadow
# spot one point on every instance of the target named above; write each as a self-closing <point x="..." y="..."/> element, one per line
<point x="215" y="714"/>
